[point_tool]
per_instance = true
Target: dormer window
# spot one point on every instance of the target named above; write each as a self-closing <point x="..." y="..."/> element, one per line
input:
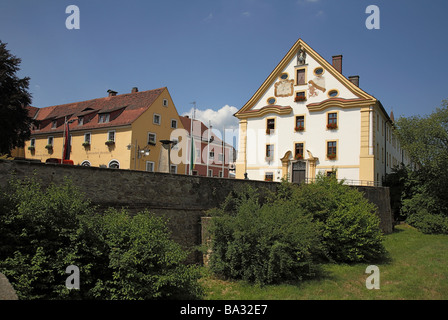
<point x="80" y="121"/>
<point x="54" y="124"/>
<point x="103" y="118"/>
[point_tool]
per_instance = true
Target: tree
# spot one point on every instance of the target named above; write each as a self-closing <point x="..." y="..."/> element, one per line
<point x="14" y="98"/>
<point x="426" y="141"/>
<point x="423" y="200"/>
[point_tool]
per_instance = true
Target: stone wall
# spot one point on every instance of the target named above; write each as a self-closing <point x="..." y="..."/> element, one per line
<point x="180" y="198"/>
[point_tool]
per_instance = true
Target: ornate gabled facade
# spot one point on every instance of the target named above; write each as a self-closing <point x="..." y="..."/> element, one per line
<point x="308" y="118"/>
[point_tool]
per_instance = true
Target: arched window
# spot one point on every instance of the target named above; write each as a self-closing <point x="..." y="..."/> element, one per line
<point x="114" y="164"/>
<point x="85" y="163"/>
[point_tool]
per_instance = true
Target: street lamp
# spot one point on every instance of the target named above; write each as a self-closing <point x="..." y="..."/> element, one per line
<point x="167" y="144"/>
<point x="139" y="153"/>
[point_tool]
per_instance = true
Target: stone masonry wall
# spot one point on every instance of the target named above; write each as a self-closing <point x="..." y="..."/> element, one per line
<point x="180" y="198"/>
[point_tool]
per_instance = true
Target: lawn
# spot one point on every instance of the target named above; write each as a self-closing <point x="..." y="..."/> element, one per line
<point x="416" y="270"/>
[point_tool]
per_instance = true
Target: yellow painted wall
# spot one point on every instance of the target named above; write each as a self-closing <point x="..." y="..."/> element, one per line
<point x="97" y="154"/>
<point x="144" y="124"/>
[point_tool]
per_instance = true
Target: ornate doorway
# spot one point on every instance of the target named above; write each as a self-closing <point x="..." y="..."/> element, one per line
<point x="299" y="172"/>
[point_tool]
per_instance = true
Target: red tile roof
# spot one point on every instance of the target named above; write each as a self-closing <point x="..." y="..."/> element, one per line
<point x="131" y="104"/>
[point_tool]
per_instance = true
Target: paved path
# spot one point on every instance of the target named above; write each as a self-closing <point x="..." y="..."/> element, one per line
<point x="7" y="292"/>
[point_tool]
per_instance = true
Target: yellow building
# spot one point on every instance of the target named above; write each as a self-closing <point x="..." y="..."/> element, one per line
<point x="118" y="131"/>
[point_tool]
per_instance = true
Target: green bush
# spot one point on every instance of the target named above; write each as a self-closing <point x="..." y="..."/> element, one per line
<point x="43" y="231"/>
<point x="350" y="224"/>
<point x="428" y="223"/>
<point x="143" y="262"/>
<point x="283" y="236"/>
<point x="262" y="243"/>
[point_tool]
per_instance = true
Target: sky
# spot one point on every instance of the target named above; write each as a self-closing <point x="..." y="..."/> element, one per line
<point x="218" y="52"/>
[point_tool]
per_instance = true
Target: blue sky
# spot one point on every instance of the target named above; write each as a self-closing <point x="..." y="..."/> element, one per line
<point x="218" y="52"/>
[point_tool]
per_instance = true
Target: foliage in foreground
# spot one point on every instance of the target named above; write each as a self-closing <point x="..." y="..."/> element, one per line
<point x="43" y="231"/>
<point x="284" y="236"/>
<point x="425" y="185"/>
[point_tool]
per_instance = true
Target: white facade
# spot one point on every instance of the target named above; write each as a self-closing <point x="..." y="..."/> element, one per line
<point x="271" y="124"/>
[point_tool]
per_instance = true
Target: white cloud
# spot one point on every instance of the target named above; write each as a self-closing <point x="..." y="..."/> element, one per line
<point x="219" y="119"/>
<point x="246" y="14"/>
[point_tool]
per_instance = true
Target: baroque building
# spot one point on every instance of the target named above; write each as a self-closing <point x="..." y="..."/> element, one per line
<point x="308" y="118"/>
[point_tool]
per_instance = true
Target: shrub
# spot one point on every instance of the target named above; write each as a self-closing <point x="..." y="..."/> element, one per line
<point x="40" y="235"/>
<point x="351" y="231"/>
<point x="262" y="243"/>
<point x="428" y="223"/>
<point x="144" y="263"/>
<point x="43" y="231"/>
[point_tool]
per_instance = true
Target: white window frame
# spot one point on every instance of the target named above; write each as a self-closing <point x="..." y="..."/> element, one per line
<point x="114" y="160"/>
<point x="175" y="121"/>
<point x="108" y="135"/>
<point x="103" y="117"/>
<point x="155" y="137"/>
<point x="150" y="163"/>
<point x="86" y="161"/>
<point x="154" y="119"/>
<point x="165" y="102"/>
<point x="88" y="134"/>
<point x="210" y="173"/>
<point x="54" y="124"/>
<point x="52" y="140"/>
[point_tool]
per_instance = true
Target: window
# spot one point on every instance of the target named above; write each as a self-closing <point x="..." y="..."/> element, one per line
<point x="149" y="166"/>
<point x="220" y="174"/>
<point x="319" y="71"/>
<point x="333" y="93"/>
<point x="156" y="118"/>
<point x="300" y="123"/>
<point x="195" y="172"/>
<point x="50" y="141"/>
<point x="284" y="76"/>
<point x="80" y="121"/>
<point x="33" y="142"/>
<point x="165" y="102"/>
<point x="152" y="138"/>
<point x="87" y="137"/>
<point x="268" y="176"/>
<point x="212" y="155"/>
<point x="331" y="173"/>
<point x="332" y="121"/>
<point x="210" y="173"/>
<point x="103" y="118"/>
<point x="298" y="151"/>
<point x="114" y="164"/>
<point x="111" y="136"/>
<point x="85" y="163"/>
<point x="173" y="169"/>
<point x="271" y="100"/>
<point x="269" y="152"/>
<point x="174" y="124"/>
<point x="270" y="125"/>
<point x="54" y="124"/>
<point x="300" y="96"/>
<point x="331" y="150"/>
<point x="300" y="77"/>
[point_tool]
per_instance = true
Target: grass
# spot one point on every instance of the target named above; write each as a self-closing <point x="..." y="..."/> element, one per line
<point x="417" y="270"/>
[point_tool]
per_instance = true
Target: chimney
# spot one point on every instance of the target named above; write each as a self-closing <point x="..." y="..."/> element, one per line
<point x="354" y="80"/>
<point x="337" y="62"/>
<point x="112" y="93"/>
<point x="134" y="90"/>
